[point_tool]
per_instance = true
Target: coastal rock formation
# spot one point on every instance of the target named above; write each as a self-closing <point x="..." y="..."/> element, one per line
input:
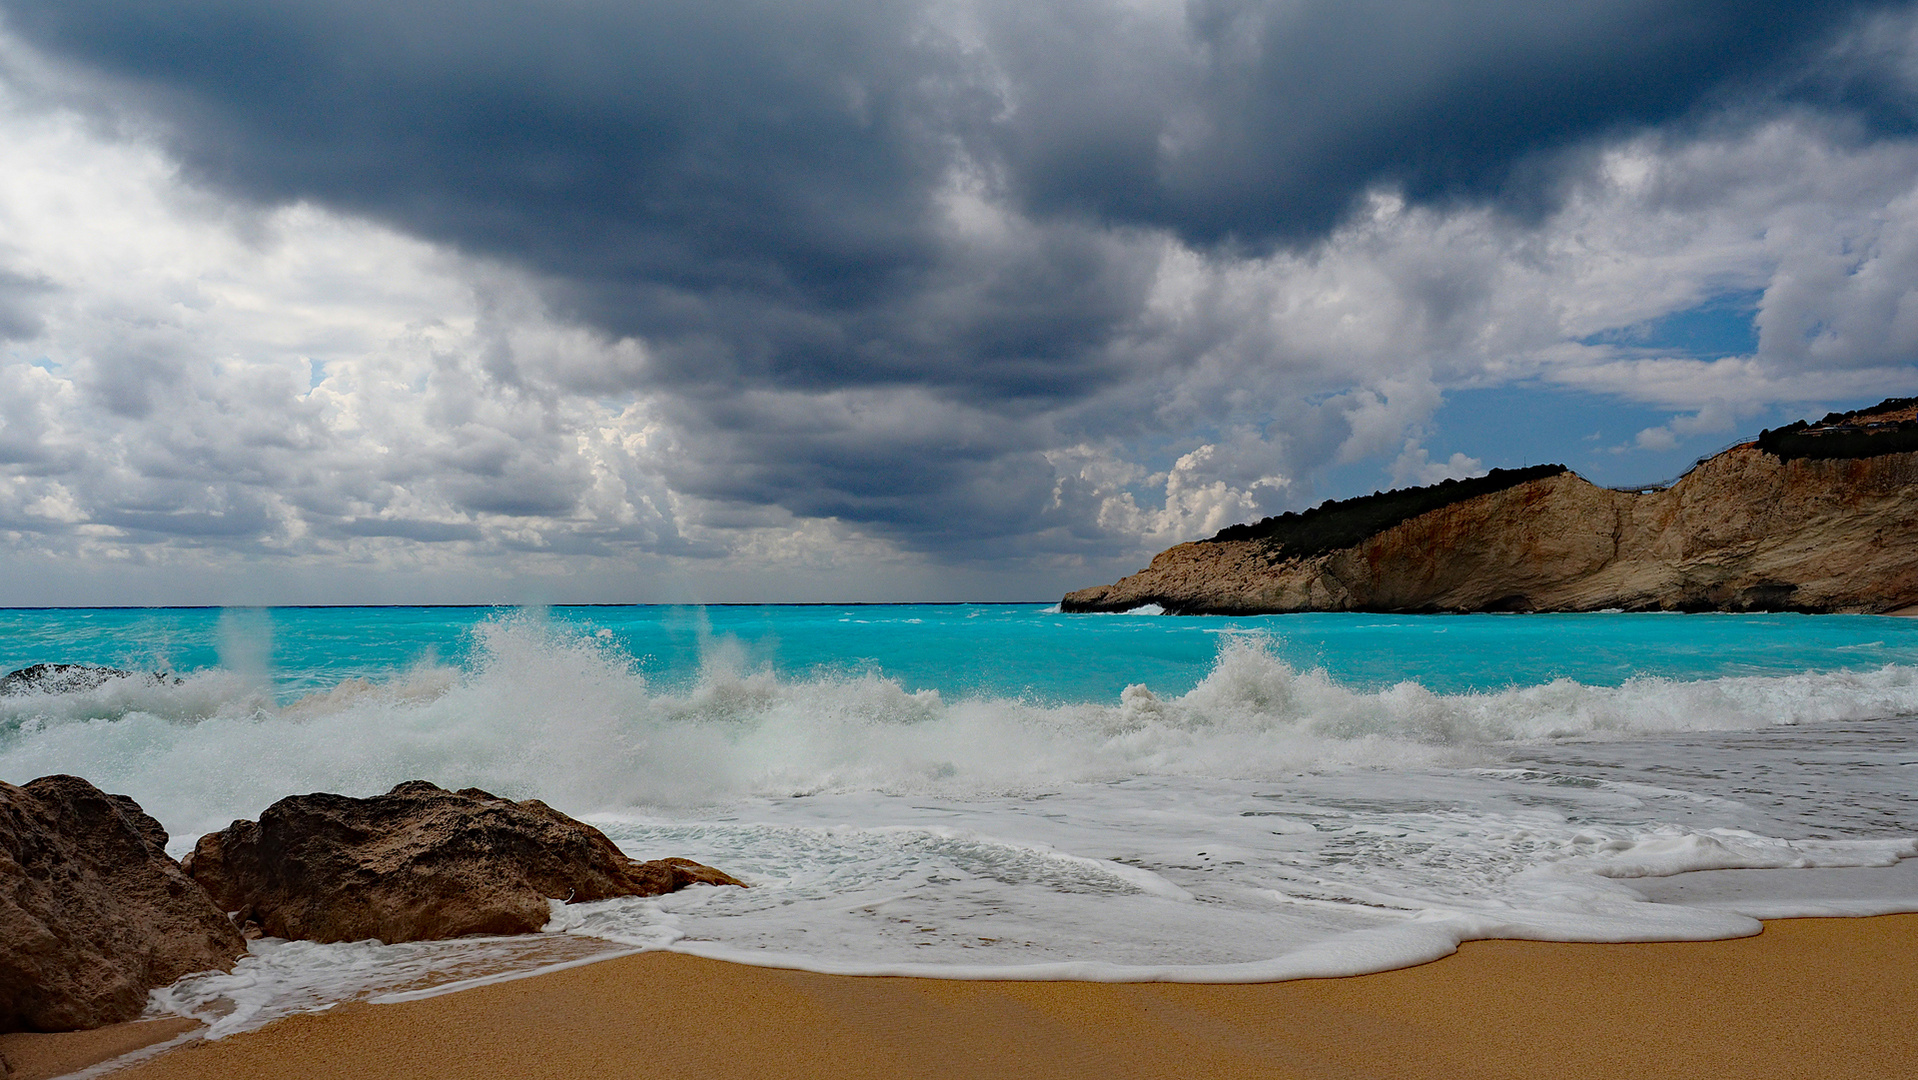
<point x="1815" y="518"/>
<point x="418" y="863"/>
<point x="92" y="912"/>
<point x="68" y="678"/>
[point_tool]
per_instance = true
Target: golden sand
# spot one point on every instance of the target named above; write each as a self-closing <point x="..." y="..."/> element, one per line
<point x="1807" y="998"/>
<point x="36" y="1056"/>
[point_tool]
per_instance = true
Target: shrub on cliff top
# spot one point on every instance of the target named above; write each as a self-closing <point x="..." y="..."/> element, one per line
<point x="1336" y="524"/>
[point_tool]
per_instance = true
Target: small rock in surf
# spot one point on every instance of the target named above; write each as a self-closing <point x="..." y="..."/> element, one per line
<point x="70" y="678"/>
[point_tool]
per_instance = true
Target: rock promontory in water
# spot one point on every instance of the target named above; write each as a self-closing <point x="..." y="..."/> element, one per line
<point x="418" y="863"/>
<point x="93" y="914"/>
<point x="1811" y="517"/>
<point x="70" y="678"/>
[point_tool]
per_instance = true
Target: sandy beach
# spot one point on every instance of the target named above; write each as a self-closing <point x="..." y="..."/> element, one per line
<point x="1807" y="998"/>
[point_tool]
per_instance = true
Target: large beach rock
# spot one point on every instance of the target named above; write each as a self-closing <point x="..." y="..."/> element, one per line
<point x="92" y="912"/>
<point x="1814" y="518"/>
<point x="418" y="863"/>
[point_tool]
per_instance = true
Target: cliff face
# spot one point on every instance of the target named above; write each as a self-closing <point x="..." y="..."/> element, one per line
<point x="1746" y="530"/>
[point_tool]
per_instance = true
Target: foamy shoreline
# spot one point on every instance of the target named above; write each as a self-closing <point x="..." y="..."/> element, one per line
<point x="1808" y="997"/>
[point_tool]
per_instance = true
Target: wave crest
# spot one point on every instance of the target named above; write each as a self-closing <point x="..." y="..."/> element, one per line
<point x="568" y="717"/>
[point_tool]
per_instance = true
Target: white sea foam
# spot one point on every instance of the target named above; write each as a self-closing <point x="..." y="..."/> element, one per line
<point x="1666" y="852"/>
<point x="568" y="719"/>
<point x="279" y="978"/>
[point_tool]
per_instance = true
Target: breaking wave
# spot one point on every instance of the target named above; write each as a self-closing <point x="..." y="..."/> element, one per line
<point x="566" y="716"/>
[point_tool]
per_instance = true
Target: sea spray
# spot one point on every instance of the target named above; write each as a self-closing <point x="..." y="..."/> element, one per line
<point x="547" y="710"/>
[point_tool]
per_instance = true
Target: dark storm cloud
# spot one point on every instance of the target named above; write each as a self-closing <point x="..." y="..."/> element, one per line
<point x="1287" y="111"/>
<point x="900" y="460"/>
<point x="236" y="513"/>
<point x="1867" y="74"/>
<point x="676" y="162"/>
<point x="19" y="300"/>
<point x="773" y="196"/>
<point x="754" y="180"/>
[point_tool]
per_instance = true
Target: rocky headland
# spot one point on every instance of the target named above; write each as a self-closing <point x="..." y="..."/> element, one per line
<point x="1813" y="517"/>
<point x="94" y="914"/>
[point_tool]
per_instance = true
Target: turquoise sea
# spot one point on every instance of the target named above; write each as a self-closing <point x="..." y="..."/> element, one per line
<point x="983" y="791"/>
<point x="999" y="650"/>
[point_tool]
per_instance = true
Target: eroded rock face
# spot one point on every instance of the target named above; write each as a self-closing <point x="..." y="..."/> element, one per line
<point x="418" y="863"/>
<point x="92" y="912"/>
<point x="1746" y="530"/>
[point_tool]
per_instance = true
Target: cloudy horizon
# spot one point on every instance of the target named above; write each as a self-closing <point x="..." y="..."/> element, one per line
<point x="663" y="301"/>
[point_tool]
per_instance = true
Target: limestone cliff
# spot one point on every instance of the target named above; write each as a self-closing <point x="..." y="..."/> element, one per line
<point x="1820" y="518"/>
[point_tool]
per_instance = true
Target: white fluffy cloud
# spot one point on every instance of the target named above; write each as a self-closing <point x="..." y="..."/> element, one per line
<point x="200" y="378"/>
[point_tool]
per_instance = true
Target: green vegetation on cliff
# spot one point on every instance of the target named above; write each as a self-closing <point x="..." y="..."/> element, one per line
<point x="1882" y="429"/>
<point x="1342" y="523"/>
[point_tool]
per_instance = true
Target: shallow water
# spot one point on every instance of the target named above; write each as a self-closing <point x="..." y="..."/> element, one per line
<point x="1003" y="790"/>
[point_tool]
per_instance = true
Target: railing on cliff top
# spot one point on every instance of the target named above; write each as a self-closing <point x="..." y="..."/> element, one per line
<point x="1647" y="489"/>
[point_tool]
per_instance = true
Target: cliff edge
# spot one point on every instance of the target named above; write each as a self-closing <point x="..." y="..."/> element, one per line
<point x="1812" y="517"/>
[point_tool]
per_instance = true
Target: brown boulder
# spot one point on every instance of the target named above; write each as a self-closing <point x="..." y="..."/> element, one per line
<point x="92" y="912"/>
<point x="418" y="863"/>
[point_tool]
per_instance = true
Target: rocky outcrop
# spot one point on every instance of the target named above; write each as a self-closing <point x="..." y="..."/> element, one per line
<point x="418" y="863"/>
<point x="1816" y="518"/>
<point x="69" y="678"/>
<point x="92" y="912"/>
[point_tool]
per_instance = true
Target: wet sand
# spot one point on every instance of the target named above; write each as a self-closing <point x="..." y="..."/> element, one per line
<point x="1807" y="998"/>
<point x="33" y="1056"/>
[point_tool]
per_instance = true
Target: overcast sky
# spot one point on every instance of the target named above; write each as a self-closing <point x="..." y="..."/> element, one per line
<point x="723" y="300"/>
